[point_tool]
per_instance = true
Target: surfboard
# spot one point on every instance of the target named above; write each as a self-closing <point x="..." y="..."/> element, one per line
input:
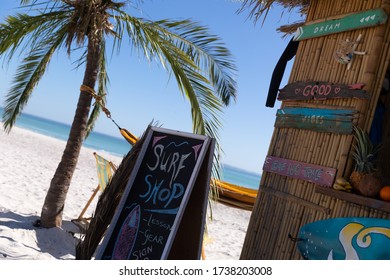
<point x="127" y="235"/>
<point x="350" y="238"/>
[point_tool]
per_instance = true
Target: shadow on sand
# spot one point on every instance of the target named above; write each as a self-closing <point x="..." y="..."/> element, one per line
<point x="56" y="242"/>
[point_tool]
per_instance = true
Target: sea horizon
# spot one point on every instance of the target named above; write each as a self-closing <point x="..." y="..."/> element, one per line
<point x="118" y="146"/>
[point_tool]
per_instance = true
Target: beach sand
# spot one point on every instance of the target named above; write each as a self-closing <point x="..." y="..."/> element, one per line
<point x="27" y="163"/>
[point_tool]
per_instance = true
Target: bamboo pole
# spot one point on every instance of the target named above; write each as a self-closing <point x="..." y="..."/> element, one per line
<point x="378" y="85"/>
<point x="297" y="62"/>
<point x="263" y="223"/>
<point x="287" y="218"/>
<point x="300" y="59"/>
<point x="312" y="10"/>
<point x="254" y="223"/>
<point x="372" y="66"/>
<point x="248" y="241"/>
<point x="276" y="229"/>
<point x="275" y="223"/>
<point x="255" y="238"/>
<point x="290" y="246"/>
<point x="294" y="228"/>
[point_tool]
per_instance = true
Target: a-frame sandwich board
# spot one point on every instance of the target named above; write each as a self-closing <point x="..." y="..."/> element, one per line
<point x="162" y="212"/>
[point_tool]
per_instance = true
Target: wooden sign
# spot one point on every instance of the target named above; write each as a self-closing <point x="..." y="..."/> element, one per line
<point x="320" y="90"/>
<point x="344" y="23"/>
<point x="338" y="121"/>
<point x="162" y="211"/>
<point x="319" y="175"/>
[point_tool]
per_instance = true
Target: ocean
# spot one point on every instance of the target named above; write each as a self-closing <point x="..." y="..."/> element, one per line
<point x="120" y="147"/>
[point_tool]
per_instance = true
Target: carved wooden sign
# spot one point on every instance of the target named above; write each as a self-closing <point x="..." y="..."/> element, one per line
<point x="323" y="176"/>
<point x="320" y="90"/>
<point x="342" y="23"/>
<point x="338" y="121"/>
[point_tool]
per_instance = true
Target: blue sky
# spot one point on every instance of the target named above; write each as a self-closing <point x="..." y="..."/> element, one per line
<point x="140" y="92"/>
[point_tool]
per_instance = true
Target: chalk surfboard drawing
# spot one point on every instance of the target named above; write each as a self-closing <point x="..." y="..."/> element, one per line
<point x="127" y="235"/>
<point x="351" y="238"/>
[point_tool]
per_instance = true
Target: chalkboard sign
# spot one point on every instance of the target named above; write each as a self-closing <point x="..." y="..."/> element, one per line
<point x="161" y="184"/>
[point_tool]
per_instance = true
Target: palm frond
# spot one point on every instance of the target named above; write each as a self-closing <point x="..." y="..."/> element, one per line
<point x="24" y="31"/>
<point x="207" y="51"/>
<point x="260" y="9"/>
<point x="28" y="75"/>
<point x="190" y="52"/>
<point x="27" y="2"/>
<point x="203" y="68"/>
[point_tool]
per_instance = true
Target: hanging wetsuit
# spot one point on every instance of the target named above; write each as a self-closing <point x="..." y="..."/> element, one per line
<point x="277" y="75"/>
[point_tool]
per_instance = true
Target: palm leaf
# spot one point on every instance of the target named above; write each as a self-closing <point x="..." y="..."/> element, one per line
<point x="207" y="52"/>
<point x="28" y="75"/>
<point x="155" y="39"/>
<point x="24" y="31"/>
<point x="201" y="65"/>
<point x="260" y="8"/>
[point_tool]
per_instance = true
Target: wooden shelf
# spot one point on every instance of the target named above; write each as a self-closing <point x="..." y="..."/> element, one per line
<point x="355" y="198"/>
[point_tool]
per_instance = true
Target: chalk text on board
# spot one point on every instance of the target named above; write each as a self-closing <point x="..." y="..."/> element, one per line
<point x="152" y="238"/>
<point x="161" y="194"/>
<point x="168" y="162"/>
<point x="156" y="222"/>
<point x="143" y="253"/>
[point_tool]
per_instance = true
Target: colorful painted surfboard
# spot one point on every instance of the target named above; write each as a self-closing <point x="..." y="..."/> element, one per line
<point x="127" y="235"/>
<point x="345" y="239"/>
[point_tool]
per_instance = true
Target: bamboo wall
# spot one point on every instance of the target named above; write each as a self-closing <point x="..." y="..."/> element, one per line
<point x="285" y="204"/>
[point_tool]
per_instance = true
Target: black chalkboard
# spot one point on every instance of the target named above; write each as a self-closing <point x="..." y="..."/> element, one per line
<point x="159" y="188"/>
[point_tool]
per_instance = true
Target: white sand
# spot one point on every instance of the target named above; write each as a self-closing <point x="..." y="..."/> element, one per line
<point x="27" y="163"/>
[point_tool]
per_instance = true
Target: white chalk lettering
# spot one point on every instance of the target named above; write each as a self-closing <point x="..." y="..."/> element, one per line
<point x="152" y="238"/>
<point x="142" y="253"/>
<point x="168" y="162"/>
<point x="158" y="223"/>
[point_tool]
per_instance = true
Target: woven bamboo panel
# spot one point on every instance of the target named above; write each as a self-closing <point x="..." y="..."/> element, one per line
<point x="285" y="204"/>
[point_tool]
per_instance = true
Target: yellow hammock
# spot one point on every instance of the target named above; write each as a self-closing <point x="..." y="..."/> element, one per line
<point x="131" y="138"/>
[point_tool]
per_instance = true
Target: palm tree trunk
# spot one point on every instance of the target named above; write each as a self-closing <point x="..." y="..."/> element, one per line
<point x="52" y="210"/>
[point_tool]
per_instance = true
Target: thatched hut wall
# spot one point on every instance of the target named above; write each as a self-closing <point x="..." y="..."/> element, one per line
<point x="285" y="204"/>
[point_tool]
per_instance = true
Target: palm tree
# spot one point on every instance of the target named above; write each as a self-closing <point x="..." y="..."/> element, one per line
<point x="202" y="65"/>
